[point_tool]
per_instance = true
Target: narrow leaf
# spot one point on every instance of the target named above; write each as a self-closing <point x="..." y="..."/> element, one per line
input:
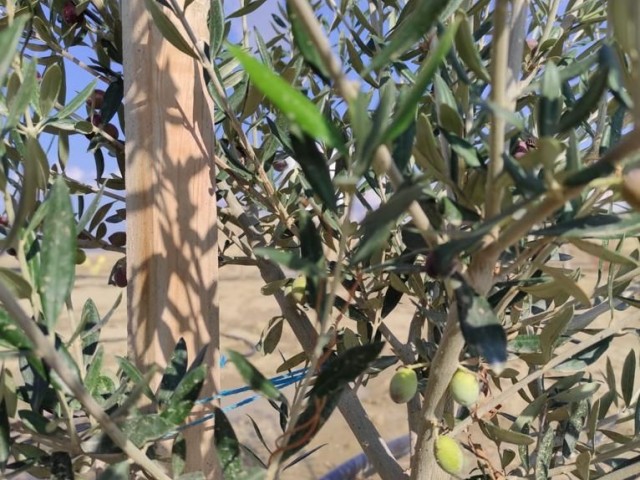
<point x="480" y="326"/>
<point x="9" y="38"/>
<point x="253" y="377"/>
<point x="185" y="395"/>
<point x="57" y="264"/>
<point x="305" y="44"/>
<point x="297" y="107"/>
<point x="409" y="31"/>
<point x="628" y="377"/>
<point x="216" y="27"/>
<point x="49" y="88"/>
<point x="405" y="114"/>
<point x="174" y="373"/>
<point x="315" y="168"/>
<point x="168" y="29"/>
<point x="227" y="446"/>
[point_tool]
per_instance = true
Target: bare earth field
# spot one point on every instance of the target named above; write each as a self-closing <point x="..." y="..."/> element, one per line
<point x="244" y="314"/>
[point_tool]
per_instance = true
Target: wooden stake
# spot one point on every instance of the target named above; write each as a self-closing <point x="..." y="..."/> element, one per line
<point x="171" y="208"/>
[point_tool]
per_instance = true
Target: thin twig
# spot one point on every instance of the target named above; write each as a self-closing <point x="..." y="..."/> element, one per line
<point x="499" y="71"/>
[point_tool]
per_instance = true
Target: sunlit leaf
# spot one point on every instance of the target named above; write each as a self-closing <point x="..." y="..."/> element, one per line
<point x="408" y="31"/>
<point x="57" y="264"/>
<point x="168" y="29"/>
<point x="297" y="107"/>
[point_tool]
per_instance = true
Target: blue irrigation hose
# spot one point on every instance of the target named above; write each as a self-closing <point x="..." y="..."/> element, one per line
<point x="353" y="467"/>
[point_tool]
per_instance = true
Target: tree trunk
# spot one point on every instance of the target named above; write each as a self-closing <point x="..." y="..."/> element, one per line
<point x="171" y="208"/>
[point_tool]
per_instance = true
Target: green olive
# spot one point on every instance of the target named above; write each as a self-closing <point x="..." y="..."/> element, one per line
<point x="465" y="388"/>
<point x="449" y="455"/>
<point x="404" y="385"/>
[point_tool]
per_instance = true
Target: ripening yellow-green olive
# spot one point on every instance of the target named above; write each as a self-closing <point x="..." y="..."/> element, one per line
<point x="298" y="289"/>
<point x="465" y="387"/>
<point x="449" y="455"/>
<point x="404" y="385"/>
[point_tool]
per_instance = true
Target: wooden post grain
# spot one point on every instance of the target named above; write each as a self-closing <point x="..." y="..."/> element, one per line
<point x="171" y="209"/>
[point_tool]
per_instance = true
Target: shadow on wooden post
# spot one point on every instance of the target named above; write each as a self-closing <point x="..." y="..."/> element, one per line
<point x="171" y="208"/>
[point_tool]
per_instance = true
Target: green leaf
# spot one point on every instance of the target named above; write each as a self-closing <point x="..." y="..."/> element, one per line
<point x="525" y="344"/>
<point x="603" y="253"/>
<point x="315" y="168"/>
<point x="5" y="433"/>
<point x="178" y="455"/>
<point x="381" y="118"/>
<point x="11" y="334"/>
<point x="20" y="101"/>
<point x="130" y="370"/>
<point x="15" y="282"/>
<point x="57" y="259"/>
<point x="403" y="147"/>
<point x="168" y="29"/>
<point x="409" y="103"/>
<point x="288" y="259"/>
<point x="552" y="331"/>
<point x="248" y="8"/>
<point x="409" y="31"/>
<point x="9" y="38"/>
<point x="297" y="107"/>
<point x="77" y="101"/>
<point x="304" y="43"/>
<point x="89" y="320"/>
<point x="376" y="225"/>
<point x="49" y="88"/>
<point x="346" y="368"/>
<point x="480" y="326"/>
<point x="112" y="100"/>
<point x="545" y="452"/>
<point x="567" y="284"/>
<point x="92" y="378"/>
<point x="466" y="47"/>
<point x="500" y="435"/>
<point x="463" y="149"/>
<point x="253" y="377"/>
<point x="589" y="100"/>
<point x="628" y="377"/>
<point x="577" y="393"/>
<point x="145" y="428"/>
<point x="216" y="27"/>
<point x="185" y="395"/>
<point x="588" y="356"/>
<point x="174" y="373"/>
<point x="550" y="102"/>
<point x="602" y="226"/>
<point x="326" y="392"/>
<point x="227" y="446"/>
<point x="90" y="211"/>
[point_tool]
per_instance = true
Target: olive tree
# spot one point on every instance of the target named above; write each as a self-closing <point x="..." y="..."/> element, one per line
<point x="486" y="144"/>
